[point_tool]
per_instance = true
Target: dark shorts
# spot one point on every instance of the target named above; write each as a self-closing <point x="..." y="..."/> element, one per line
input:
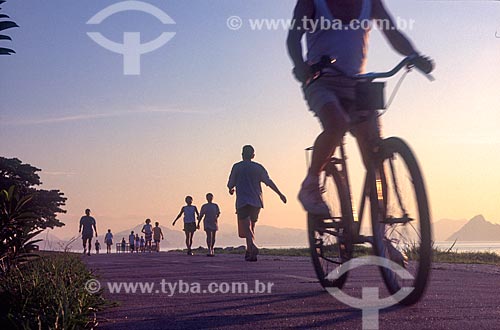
<point x="329" y="89"/>
<point x="157" y="241"/>
<point x="86" y="237"/>
<point x="248" y="211"/>
<point x="190" y="227"/>
<point x="148" y="237"/>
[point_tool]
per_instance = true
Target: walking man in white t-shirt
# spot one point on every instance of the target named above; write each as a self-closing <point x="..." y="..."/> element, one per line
<point x="246" y="177"/>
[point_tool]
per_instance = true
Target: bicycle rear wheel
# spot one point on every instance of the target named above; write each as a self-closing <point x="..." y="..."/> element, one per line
<point x="330" y="241"/>
<point x="400" y="218"/>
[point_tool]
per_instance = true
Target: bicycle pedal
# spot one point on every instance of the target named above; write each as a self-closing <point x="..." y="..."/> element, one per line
<point x="362" y="239"/>
<point x="392" y="221"/>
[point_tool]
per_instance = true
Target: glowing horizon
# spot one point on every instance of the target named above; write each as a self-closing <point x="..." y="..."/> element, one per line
<point x="131" y="148"/>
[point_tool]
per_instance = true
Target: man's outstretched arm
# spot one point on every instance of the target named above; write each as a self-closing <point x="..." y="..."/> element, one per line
<point x="274" y="187"/>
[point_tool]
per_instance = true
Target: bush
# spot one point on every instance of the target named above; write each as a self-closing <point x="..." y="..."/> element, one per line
<point x="25" y="210"/>
<point x="49" y="293"/>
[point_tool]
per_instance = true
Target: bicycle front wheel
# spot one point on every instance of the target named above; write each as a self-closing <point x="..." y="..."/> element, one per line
<point x="330" y="240"/>
<point x="401" y="218"/>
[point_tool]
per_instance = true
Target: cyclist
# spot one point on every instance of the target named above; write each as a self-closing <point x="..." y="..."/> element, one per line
<point x="331" y="95"/>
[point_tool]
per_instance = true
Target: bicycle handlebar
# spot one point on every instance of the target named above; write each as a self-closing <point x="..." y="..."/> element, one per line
<point x="423" y="64"/>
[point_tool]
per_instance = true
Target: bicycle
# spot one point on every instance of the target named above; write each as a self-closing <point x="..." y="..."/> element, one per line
<point x="395" y="190"/>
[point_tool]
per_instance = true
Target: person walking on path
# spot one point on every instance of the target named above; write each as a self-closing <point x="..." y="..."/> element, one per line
<point x="108" y="239"/>
<point x="137" y="243"/>
<point x="246" y="177"/>
<point x="190" y="214"/>
<point x="157" y="234"/>
<point x="209" y="213"/>
<point x="86" y="224"/>
<point x="147" y="229"/>
<point x="131" y="241"/>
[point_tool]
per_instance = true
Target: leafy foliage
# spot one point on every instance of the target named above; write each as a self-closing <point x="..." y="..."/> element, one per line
<point x="44" y="204"/>
<point x="24" y="210"/>
<point x="49" y="293"/>
<point x="15" y="226"/>
<point x="4" y="25"/>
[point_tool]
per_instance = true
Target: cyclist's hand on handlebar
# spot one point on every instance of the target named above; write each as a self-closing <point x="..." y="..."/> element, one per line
<point x="302" y="72"/>
<point x="424" y="64"/>
<point x="283" y="198"/>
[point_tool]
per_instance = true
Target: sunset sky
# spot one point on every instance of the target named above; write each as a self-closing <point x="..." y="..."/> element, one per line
<point x="131" y="147"/>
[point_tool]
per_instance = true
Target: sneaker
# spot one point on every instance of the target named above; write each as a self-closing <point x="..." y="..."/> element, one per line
<point x="310" y="197"/>
<point x="255" y="251"/>
<point x="253" y="255"/>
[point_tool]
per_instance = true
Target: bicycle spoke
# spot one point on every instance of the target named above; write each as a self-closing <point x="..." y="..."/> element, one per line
<point x="327" y="241"/>
<point x="402" y="228"/>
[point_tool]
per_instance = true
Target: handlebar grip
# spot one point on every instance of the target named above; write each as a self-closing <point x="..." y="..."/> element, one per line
<point x="424" y="64"/>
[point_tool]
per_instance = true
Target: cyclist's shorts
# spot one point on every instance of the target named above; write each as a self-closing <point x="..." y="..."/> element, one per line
<point x="327" y="89"/>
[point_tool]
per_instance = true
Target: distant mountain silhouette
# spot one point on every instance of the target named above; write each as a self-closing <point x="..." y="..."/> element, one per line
<point x="444" y="228"/>
<point x="477" y="229"/>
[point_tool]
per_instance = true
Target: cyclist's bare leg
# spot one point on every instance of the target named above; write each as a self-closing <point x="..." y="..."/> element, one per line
<point x="368" y="135"/>
<point x="335" y="123"/>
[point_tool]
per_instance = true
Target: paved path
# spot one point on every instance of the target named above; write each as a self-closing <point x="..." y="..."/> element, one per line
<point x="459" y="296"/>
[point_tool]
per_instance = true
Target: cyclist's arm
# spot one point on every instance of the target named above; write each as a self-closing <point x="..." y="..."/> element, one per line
<point x="398" y="40"/>
<point x="304" y="8"/>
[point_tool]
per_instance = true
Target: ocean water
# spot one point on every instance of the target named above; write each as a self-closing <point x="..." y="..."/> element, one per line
<point x="444" y="245"/>
<point x="458" y="247"/>
<point x="470" y="246"/>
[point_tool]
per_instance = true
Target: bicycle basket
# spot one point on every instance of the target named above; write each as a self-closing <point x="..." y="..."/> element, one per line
<point x="370" y="96"/>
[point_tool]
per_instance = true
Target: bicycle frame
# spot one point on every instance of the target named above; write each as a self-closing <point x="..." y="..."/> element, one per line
<point x="391" y="169"/>
<point x="338" y="166"/>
